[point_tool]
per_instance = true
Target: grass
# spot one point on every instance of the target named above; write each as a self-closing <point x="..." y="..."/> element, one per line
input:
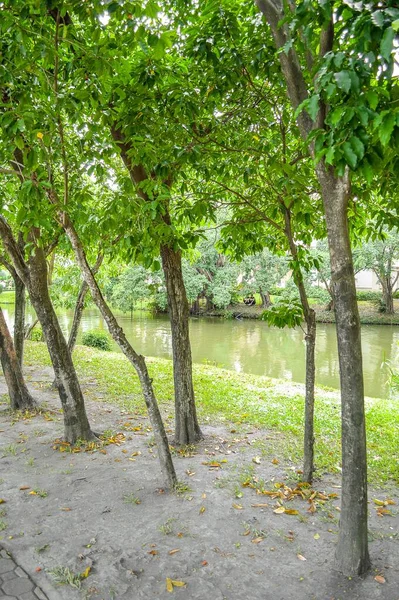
<point x="7" y="297"/>
<point x="243" y="401"/>
<point x="64" y="576"/>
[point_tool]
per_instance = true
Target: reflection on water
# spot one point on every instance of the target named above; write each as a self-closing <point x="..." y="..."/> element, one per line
<point x="252" y="346"/>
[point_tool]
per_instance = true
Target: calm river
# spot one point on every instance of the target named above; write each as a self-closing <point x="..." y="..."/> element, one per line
<point x="252" y="347"/>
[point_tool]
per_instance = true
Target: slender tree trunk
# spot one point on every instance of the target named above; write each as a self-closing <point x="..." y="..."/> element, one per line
<point x="20" y="397"/>
<point x="387" y="294"/>
<point x="310" y="339"/>
<point x="352" y="555"/>
<point x="195" y="307"/>
<point x="266" y="300"/>
<point x="135" y="359"/>
<point x="77" y="316"/>
<point x="76" y="423"/>
<point x="209" y="304"/>
<point x="19" y="318"/>
<point x="187" y="430"/>
<point x="50" y="268"/>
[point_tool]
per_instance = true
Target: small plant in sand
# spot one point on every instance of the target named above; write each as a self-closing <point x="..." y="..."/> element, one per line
<point x="131" y="499"/>
<point x="64" y="576"/>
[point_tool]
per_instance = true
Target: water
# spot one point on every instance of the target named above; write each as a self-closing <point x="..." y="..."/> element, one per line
<point x="248" y="346"/>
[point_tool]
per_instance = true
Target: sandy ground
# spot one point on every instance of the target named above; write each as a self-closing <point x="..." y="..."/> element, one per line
<point x="105" y="514"/>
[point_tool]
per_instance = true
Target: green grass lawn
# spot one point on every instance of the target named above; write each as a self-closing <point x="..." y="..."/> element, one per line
<point x="7" y="297"/>
<point x="240" y="400"/>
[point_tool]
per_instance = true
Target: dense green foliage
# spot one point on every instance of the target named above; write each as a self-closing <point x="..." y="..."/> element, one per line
<point x="96" y="339"/>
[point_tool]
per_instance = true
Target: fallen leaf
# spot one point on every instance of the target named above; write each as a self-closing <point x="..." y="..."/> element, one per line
<point x="259" y="505"/>
<point x="178" y="583"/>
<point x="257" y="540"/>
<point x="300" y="557"/>
<point x="2" y="501"/>
<point x="169" y="585"/>
<point x="38" y="569"/>
<point x="379" y="579"/>
<point x="202" y="510"/>
<point x="153" y="552"/>
<point x="25" y="487"/>
<point x="379" y="502"/>
<point x="275" y="461"/>
<point x="33" y="493"/>
<point x="237" y="506"/>
<point x="174" y="551"/>
<point x="203" y="496"/>
<point x="256" y="460"/>
<point x="65" y="508"/>
<point x="85" y="573"/>
<point x="204" y="563"/>
<point x="280" y="510"/>
<point x="291" y="511"/>
<point x="316" y="536"/>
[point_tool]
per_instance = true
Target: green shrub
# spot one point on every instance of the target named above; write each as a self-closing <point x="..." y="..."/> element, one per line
<point x="96" y="339"/>
<point x="36" y="335"/>
<point x="368" y="296"/>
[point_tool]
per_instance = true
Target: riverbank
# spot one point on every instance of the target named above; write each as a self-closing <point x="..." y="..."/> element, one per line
<point x="96" y="524"/>
<point x="368" y="312"/>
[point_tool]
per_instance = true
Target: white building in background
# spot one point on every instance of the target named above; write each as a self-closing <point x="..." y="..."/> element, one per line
<point x="367" y="281"/>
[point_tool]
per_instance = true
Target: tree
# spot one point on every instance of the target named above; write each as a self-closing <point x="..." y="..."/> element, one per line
<point x="261" y="272"/>
<point x="132" y="285"/>
<point x="380" y="255"/>
<point x="337" y="64"/>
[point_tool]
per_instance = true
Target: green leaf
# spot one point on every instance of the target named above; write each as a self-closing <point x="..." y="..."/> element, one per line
<point x="386" y="128"/>
<point x="336" y="115"/>
<point x="372" y="99"/>
<point x="378" y="18"/>
<point x="349" y="155"/>
<point x="387" y="43"/>
<point x="357" y="146"/>
<point x="313" y="107"/>
<point x="330" y="155"/>
<point x="395" y="25"/>
<point x="343" y="80"/>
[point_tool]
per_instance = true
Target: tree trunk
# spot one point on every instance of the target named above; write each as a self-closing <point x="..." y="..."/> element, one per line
<point x="195" y="307"/>
<point x="310" y="339"/>
<point x="265" y="296"/>
<point x="19" y="318"/>
<point x="352" y="557"/>
<point x="20" y="398"/>
<point x="77" y="316"/>
<point x="135" y="359"/>
<point x="76" y="424"/>
<point x="187" y="430"/>
<point x="387" y="294"/>
<point x="209" y="304"/>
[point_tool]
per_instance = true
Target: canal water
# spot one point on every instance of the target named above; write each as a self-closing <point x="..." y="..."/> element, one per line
<point x="251" y="346"/>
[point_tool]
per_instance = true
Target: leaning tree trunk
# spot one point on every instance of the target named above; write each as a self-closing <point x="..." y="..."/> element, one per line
<point x="310" y="339"/>
<point x="266" y="300"/>
<point x="352" y="555"/>
<point x="187" y="430"/>
<point x="77" y="316"/>
<point x="76" y="424"/>
<point x="135" y="359"/>
<point x="20" y="398"/>
<point x="19" y="318"/>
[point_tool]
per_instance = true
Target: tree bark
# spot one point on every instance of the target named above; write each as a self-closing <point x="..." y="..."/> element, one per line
<point x="266" y="300"/>
<point x="352" y="555"/>
<point x="310" y="339"/>
<point x="34" y="275"/>
<point x="20" y="398"/>
<point x="19" y="318"/>
<point x="135" y="359"/>
<point x="387" y="294"/>
<point x="187" y="430"/>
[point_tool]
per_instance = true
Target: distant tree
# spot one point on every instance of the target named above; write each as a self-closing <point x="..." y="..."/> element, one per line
<point x="261" y="272"/>
<point x="131" y="286"/>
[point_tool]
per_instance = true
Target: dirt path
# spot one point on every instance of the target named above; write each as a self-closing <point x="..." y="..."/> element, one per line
<point x="101" y="519"/>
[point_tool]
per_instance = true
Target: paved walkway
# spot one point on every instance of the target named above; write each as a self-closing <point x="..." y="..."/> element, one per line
<point x="15" y="584"/>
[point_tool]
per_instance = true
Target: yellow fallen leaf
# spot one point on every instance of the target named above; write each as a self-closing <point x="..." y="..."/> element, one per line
<point x="153" y="552"/>
<point x="256" y="460"/>
<point x="275" y="461"/>
<point x="237" y="506"/>
<point x="291" y="511"/>
<point x="280" y="510"/>
<point x="257" y="540"/>
<point x="316" y="536"/>
<point x="203" y="496"/>
<point x="202" y="510"/>
<point x="300" y="557"/>
<point x="379" y="579"/>
<point x="33" y="493"/>
<point x="178" y="583"/>
<point x="2" y="501"/>
<point x="174" y="551"/>
<point x="169" y="585"/>
<point x="379" y="502"/>
<point x="85" y="573"/>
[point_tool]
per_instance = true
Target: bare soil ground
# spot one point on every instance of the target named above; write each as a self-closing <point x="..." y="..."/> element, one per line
<point x="104" y="513"/>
